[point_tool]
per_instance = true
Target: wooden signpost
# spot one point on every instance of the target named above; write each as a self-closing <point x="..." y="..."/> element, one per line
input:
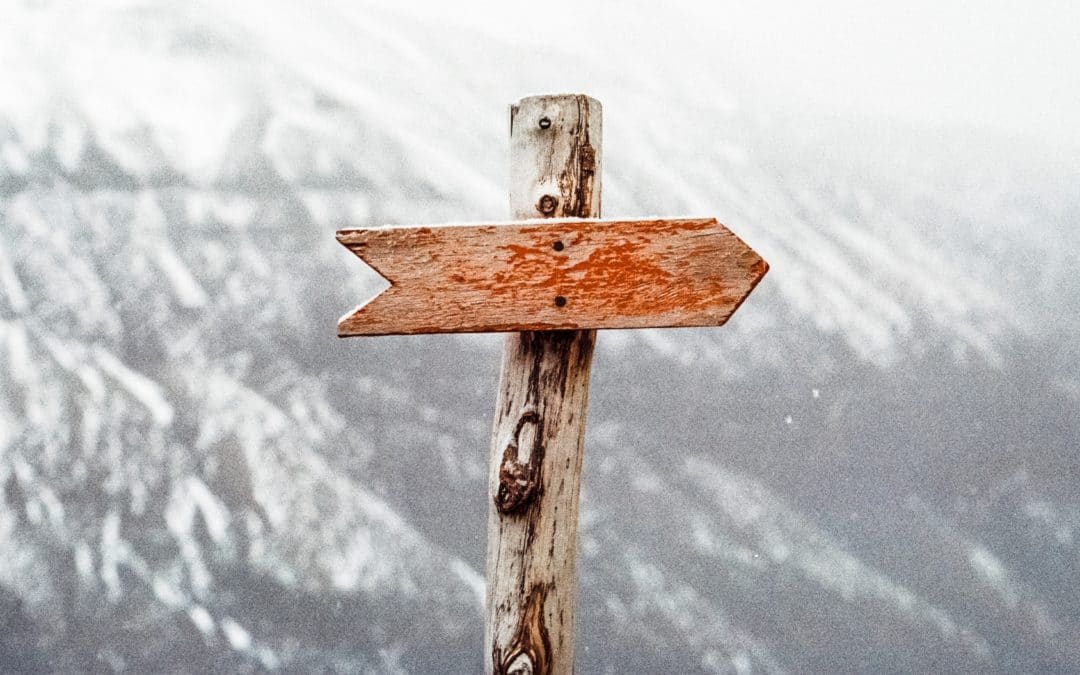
<point x="550" y="278"/>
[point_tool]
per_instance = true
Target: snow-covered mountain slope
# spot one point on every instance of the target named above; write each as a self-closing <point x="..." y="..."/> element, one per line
<point x="873" y="466"/>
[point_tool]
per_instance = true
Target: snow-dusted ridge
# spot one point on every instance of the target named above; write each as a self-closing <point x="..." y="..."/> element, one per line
<point x="195" y="471"/>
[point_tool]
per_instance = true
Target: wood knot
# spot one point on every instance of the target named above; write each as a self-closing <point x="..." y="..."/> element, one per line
<point x="522" y="665"/>
<point x="529" y="651"/>
<point x="587" y="159"/>
<point x="547" y="205"/>
<point x="519" y="481"/>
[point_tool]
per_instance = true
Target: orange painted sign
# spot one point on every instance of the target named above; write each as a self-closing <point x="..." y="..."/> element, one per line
<point x="551" y="274"/>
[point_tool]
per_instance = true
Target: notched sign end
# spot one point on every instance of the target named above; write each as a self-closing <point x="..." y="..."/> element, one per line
<point x="356" y="322"/>
<point x="353" y="323"/>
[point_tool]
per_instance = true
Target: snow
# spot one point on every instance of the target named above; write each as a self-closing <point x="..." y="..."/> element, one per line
<point x="111" y="555"/>
<point x="14" y="159"/>
<point x="193" y="119"/>
<point x="237" y="636"/>
<point x="10" y="287"/>
<point x="175" y="413"/>
<point x="791" y="541"/>
<point x="202" y="620"/>
<point x="188" y="291"/>
<point x="168" y="594"/>
<point x="84" y="562"/>
<point x="17" y="348"/>
<point x="693" y="617"/>
<point x="471" y="578"/>
<point x="142" y="388"/>
<point x="193" y="497"/>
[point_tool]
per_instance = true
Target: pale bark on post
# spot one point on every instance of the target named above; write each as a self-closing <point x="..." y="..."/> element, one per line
<point x="539" y="429"/>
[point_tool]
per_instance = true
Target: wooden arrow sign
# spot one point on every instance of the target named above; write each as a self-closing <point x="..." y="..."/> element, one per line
<point x="551" y="274"/>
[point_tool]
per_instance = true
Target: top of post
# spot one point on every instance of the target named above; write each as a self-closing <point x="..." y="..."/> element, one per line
<point x="557" y="99"/>
<point x="555" y="153"/>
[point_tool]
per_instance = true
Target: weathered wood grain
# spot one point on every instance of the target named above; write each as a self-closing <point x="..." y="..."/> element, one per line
<point x="550" y="277"/>
<point x="555" y="274"/>
<point x="539" y="430"/>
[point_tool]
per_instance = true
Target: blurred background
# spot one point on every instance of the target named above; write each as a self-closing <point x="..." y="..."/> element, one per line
<point x="872" y="468"/>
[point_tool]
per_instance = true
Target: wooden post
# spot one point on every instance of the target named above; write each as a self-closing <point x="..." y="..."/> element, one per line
<point x="539" y="429"/>
<point x="575" y="273"/>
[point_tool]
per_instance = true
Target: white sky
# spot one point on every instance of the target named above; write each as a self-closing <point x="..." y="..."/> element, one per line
<point x="992" y="65"/>
<point x="1013" y="66"/>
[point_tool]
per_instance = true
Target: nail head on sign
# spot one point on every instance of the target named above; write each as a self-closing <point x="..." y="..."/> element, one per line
<point x="545" y="123"/>
<point x="560" y="301"/>
<point x="558" y="246"/>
